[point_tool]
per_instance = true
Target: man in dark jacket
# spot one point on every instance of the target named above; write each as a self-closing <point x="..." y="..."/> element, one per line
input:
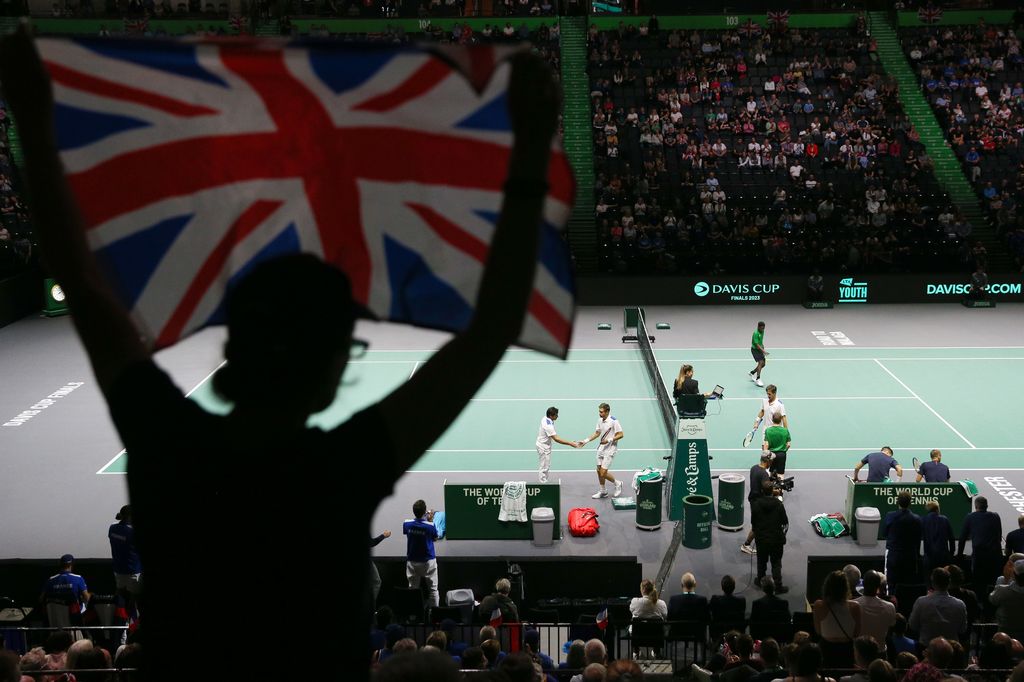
<point x="689" y="605"/>
<point x="769" y="608"/>
<point x="902" y="530"/>
<point x="499" y="600"/>
<point x="769" y="522"/>
<point x="985" y="531"/>
<point x="939" y="541"/>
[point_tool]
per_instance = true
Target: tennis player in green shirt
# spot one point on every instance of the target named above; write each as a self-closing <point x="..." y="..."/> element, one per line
<point x="759" y="353"/>
<point x="777" y="442"/>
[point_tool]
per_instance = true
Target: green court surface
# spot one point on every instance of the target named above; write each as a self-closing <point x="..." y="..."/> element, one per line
<point x="842" y="403"/>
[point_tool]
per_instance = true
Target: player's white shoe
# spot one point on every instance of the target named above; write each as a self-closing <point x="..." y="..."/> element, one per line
<point x="759" y="382"/>
<point x="747" y="549"/>
<point x="618" y="489"/>
<point x="599" y="494"/>
<point x="752" y="377"/>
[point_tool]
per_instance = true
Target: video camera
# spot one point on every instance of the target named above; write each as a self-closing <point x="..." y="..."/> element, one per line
<point x="782" y="485"/>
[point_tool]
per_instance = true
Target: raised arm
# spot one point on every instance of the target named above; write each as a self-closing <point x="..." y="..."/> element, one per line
<point x="445" y="384"/>
<point x="110" y="339"/>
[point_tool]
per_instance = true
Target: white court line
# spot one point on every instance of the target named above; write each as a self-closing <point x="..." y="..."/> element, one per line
<point x="590" y="471"/>
<point x="924" y="403"/>
<point x="415" y="367"/>
<point x="194" y="388"/>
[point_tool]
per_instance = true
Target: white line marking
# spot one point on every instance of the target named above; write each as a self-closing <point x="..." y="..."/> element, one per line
<point x="194" y="388"/>
<point x="619" y="400"/>
<point x="924" y="403"/>
<point x="415" y="367"/>
<point x="591" y="471"/>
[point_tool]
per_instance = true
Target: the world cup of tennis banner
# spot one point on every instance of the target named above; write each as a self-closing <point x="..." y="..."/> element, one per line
<point x="193" y="160"/>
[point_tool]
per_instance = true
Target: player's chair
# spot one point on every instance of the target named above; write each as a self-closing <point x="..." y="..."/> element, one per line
<point x="692" y="406"/>
<point x="407" y="603"/>
<point x="647" y="638"/>
<point x="687" y="633"/>
<point x="779" y="630"/>
<point x="803" y="621"/>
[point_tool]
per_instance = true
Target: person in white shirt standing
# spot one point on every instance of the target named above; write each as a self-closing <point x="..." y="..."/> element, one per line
<point x="544" y="438"/>
<point x="770" y="406"/>
<point x="610" y="432"/>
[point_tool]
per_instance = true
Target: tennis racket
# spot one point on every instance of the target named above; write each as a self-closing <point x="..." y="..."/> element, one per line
<point x="917" y="465"/>
<point x="750" y="436"/>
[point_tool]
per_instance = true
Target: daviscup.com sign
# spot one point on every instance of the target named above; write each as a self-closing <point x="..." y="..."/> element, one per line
<point x="962" y="289"/>
<point x="736" y="291"/>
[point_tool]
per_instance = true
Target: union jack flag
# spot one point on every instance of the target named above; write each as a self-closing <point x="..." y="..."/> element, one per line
<point x="779" y="18"/>
<point x="238" y="24"/>
<point x="192" y="161"/>
<point x="929" y="15"/>
<point x="749" y="29"/>
<point x="602" y="619"/>
<point x="496" y="618"/>
<point x="140" y="25"/>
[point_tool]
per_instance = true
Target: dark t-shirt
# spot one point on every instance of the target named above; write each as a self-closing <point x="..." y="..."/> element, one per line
<point x="232" y="525"/>
<point x="879" y="464"/>
<point x="689" y="387"/>
<point x="934" y="472"/>
<point x="758" y="476"/>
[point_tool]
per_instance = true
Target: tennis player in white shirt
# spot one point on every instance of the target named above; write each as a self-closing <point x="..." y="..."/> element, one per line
<point x="544" y="438"/>
<point x="610" y="432"/>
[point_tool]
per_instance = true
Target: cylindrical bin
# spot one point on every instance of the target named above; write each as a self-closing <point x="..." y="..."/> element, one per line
<point x="543" y="519"/>
<point x="730" y="501"/>
<point x="697" y="521"/>
<point x="648" y="502"/>
<point x="868" y="521"/>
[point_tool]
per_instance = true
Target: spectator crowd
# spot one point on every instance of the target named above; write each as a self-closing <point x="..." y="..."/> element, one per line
<point x="752" y="150"/>
<point x="973" y="77"/>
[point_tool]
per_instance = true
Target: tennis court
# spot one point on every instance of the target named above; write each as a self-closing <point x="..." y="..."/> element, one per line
<point x="842" y="402"/>
<point x="952" y="384"/>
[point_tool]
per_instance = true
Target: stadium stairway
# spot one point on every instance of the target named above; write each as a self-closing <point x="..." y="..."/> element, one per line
<point x="579" y="146"/>
<point x="948" y="170"/>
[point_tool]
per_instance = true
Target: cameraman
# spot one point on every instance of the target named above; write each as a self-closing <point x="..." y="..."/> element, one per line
<point x="759" y="476"/>
<point x="769" y="524"/>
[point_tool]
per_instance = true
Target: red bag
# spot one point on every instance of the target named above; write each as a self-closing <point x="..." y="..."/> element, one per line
<point x="583" y="522"/>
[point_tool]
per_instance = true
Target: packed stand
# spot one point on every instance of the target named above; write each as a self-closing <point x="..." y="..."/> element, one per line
<point x="973" y="77"/>
<point x="861" y="628"/>
<point x="16" y="250"/>
<point x="750" y="150"/>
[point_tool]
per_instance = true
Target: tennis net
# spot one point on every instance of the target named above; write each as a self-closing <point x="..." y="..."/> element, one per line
<point x="668" y="410"/>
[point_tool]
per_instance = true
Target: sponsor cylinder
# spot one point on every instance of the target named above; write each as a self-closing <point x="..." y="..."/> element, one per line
<point x="730" y="501"/>
<point x="648" y="502"/>
<point x="697" y="521"/>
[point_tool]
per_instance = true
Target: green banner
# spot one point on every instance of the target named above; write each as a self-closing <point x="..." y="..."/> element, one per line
<point x="471" y="511"/>
<point x="954" y="502"/>
<point x="691" y="467"/>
